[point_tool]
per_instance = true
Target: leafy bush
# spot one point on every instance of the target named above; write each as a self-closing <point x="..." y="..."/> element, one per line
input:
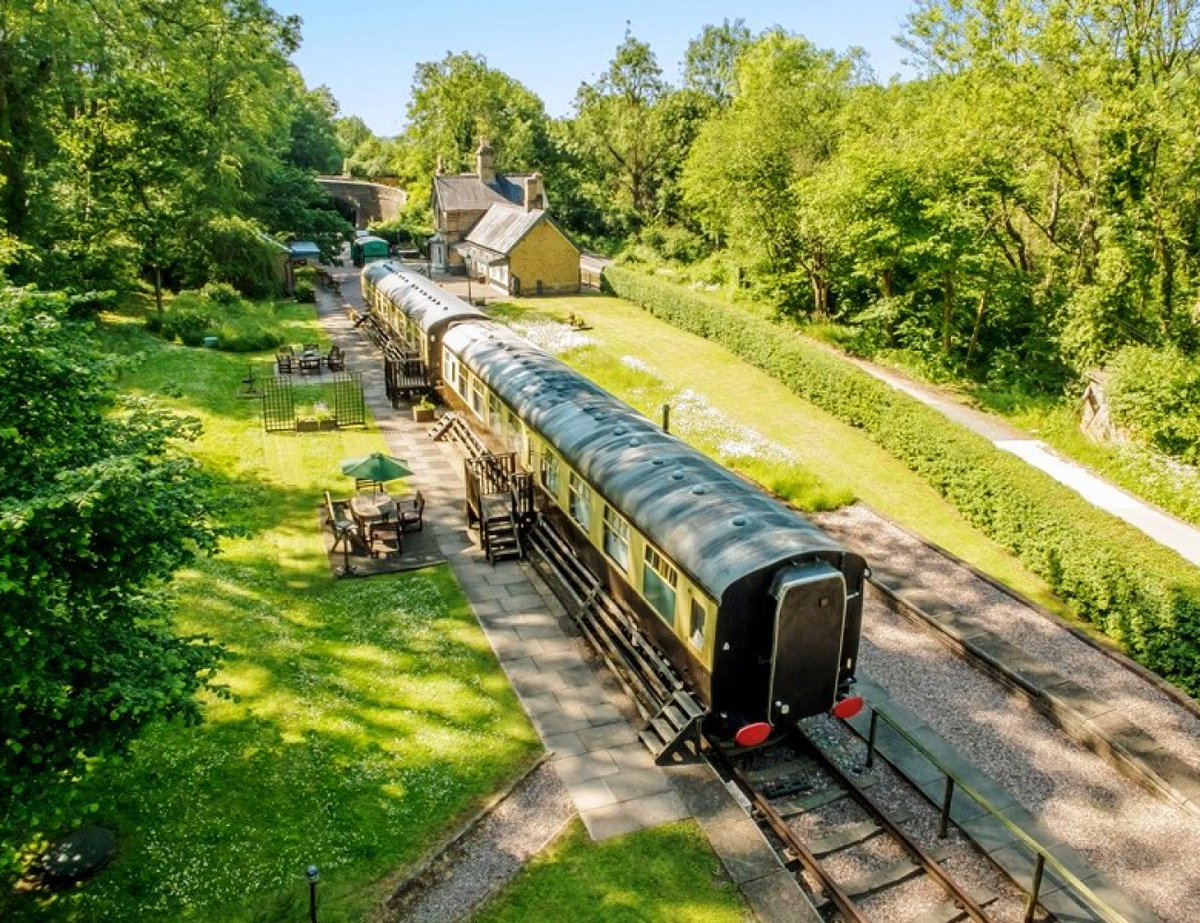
<point x="1154" y="395"/>
<point x="305" y="293"/>
<point x="248" y="335"/>
<point x="239" y="326"/>
<point x="222" y="293"/>
<point x="236" y="251"/>
<point x="1134" y="590"/>
<point x="190" y="318"/>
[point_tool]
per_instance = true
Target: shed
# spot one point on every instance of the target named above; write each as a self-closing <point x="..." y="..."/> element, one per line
<point x="304" y="251"/>
<point x="365" y="250"/>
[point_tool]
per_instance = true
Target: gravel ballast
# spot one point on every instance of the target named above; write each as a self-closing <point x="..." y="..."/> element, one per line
<point x="1144" y="843"/>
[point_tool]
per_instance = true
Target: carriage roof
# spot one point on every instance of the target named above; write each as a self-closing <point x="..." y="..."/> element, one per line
<point x="431" y="307"/>
<point x="714" y="525"/>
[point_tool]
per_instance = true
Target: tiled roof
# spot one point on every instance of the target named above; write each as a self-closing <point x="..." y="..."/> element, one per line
<point x="466" y="193"/>
<point x="503" y="226"/>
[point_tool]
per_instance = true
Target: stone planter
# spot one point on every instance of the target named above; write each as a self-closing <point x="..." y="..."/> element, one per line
<point x="306" y="426"/>
<point x="327" y="424"/>
<point x="423" y="414"/>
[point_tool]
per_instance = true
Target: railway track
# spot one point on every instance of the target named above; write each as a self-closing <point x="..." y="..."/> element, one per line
<point x="857" y="860"/>
<point x="817" y="815"/>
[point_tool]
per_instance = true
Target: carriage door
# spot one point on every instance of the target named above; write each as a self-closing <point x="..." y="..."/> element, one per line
<point x="810" y="615"/>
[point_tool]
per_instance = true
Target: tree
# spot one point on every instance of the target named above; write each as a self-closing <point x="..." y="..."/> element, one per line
<point x="711" y="58"/>
<point x="1102" y="99"/>
<point x="315" y="144"/>
<point x="459" y="100"/>
<point x="742" y="177"/>
<point x="99" y="509"/>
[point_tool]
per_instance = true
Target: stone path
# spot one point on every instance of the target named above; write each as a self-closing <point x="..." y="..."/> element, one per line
<point x="1163" y="528"/>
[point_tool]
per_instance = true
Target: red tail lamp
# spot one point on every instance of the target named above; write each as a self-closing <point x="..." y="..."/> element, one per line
<point x="848" y="708"/>
<point x="751" y="735"/>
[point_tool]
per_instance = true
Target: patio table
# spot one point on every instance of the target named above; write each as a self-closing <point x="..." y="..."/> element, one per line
<point x="369" y="508"/>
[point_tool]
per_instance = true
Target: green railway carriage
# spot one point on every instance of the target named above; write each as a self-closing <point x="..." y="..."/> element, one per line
<point x="364" y="250"/>
<point x="757" y="609"/>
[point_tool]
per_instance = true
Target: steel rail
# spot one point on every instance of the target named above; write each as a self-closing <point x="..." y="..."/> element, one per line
<point x="844" y="903"/>
<point x="926" y="861"/>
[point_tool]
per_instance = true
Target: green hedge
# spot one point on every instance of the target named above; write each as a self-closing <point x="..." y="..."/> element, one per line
<point x="1140" y="594"/>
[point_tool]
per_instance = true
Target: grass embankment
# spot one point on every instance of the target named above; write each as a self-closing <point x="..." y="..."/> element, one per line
<point x="368" y="716"/>
<point x="631" y="878"/>
<point x="778" y="438"/>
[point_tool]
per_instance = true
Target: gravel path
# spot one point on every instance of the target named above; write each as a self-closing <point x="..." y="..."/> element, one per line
<point x="487" y="856"/>
<point x="1144" y="843"/>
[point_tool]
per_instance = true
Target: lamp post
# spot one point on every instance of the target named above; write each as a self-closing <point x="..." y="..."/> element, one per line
<point x="467" y="263"/>
<point x="314" y="875"/>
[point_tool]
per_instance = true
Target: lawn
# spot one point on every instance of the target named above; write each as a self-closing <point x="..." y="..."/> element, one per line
<point x="753" y="423"/>
<point x="367" y="716"/>
<point x="632" y="878"/>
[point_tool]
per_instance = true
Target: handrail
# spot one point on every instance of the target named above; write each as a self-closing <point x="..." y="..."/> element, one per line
<point x="1042" y="858"/>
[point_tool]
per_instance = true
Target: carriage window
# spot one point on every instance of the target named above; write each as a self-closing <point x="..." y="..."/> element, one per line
<point x="658" y="585"/>
<point x="462" y="379"/>
<point x="616" y="538"/>
<point x="581" y="501"/>
<point x="495" y="418"/>
<point x="699" y="624"/>
<point x="550" y="474"/>
<point x="452" y="371"/>
<point x="477" y="397"/>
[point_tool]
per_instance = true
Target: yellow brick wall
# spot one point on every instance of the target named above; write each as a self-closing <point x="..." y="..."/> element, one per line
<point x="546" y="255"/>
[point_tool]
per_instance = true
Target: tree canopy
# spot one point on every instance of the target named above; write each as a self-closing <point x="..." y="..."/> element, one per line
<point x="98" y="509"/>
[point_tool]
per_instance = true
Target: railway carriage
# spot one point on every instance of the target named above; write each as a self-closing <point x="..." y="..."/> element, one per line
<point x="756" y="608"/>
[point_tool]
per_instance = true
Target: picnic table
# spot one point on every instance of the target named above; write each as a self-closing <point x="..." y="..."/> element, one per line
<point x="371" y="508"/>
<point x="310" y="360"/>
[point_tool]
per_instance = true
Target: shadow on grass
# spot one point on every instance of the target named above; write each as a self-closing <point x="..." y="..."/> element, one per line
<point x="368" y="718"/>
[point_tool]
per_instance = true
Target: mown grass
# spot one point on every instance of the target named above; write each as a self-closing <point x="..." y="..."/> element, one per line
<point x="838" y="458"/>
<point x="632" y="878"/>
<point x="367" y="716"/>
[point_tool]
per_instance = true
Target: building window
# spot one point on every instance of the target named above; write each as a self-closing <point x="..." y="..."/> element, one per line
<point x="699" y="624"/>
<point x="658" y="585"/>
<point x="550" y="474"/>
<point x="616" y="538"/>
<point x="580" y="505"/>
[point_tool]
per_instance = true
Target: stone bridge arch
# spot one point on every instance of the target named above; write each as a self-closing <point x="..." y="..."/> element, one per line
<point x="366" y="202"/>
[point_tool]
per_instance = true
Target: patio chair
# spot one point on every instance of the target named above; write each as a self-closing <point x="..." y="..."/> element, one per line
<point x="336" y="360"/>
<point x="411" y="513"/>
<point x="385" y="539"/>
<point x="283" y="362"/>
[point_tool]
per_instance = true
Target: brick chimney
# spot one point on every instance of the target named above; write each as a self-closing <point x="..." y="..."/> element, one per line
<point x="535" y="196"/>
<point x="483" y="163"/>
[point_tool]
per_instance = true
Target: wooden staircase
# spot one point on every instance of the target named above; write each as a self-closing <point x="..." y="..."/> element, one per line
<point x="674" y="728"/>
<point x="498" y="532"/>
<point x="673" y="715"/>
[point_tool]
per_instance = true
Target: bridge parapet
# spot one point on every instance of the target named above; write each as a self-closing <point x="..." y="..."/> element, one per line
<point x="369" y="201"/>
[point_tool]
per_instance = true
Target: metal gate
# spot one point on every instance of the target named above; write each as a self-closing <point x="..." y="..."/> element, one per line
<point x="278" y="405"/>
<point x="349" y="408"/>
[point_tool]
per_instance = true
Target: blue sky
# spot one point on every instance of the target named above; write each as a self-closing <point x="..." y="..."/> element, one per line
<point x="366" y="51"/>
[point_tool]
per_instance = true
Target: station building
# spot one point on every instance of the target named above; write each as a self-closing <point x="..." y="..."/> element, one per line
<point x="496" y="227"/>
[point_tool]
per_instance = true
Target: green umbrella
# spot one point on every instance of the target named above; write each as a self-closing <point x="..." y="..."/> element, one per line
<point x="376" y="467"/>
